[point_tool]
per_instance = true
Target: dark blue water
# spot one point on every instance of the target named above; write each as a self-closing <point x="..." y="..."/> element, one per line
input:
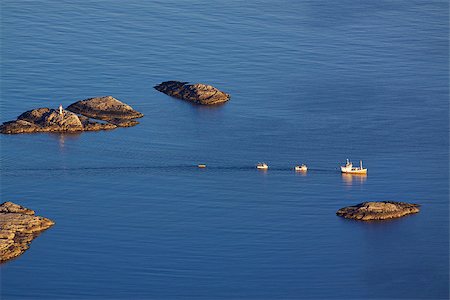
<point x="311" y="82"/>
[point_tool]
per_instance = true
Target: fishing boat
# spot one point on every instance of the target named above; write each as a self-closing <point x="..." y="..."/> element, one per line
<point x="201" y="166"/>
<point x="262" y="166"/>
<point x="302" y="168"/>
<point x="350" y="169"/>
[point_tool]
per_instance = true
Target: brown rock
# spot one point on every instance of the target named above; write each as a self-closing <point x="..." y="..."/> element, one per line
<point x="10" y="208"/>
<point x="104" y="108"/>
<point x="19" y="126"/>
<point x="53" y="121"/>
<point x="18" y="227"/>
<point x="89" y="125"/>
<point x="197" y="93"/>
<point x="35" y="115"/>
<point x="123" y="123"/>
<point x="43" y="120"/>
<point x="50" y="120"/>
<point x="378" y="210"/>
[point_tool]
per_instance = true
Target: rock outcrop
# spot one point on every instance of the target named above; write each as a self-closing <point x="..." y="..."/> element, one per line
<point x="123" y="122"/>
<point x="89" y="125"/>
<point x="104" y="108"/>
<point x="18" y="227"/>
<point x="50" y="120"/>
<point x="367" y="211"/>
<point x="115" y="113"/>
<point x="197" y="93"/>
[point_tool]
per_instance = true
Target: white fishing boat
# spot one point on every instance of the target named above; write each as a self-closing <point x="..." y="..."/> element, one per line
<point x="262" y="166"/>
<point x="201" y="166"/>
<point x="350" y="169"/>
<point x="302" y="168"/>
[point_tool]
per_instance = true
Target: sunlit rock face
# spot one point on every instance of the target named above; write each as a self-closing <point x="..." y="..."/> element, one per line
<point x="197" y="93"/>
<point x="18" y="227"/>
<point x="43" y="120"/>
<point x="104" y="108"/>
<point x="115" y="113"/>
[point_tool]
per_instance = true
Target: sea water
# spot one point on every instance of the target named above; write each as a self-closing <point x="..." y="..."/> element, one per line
<point x="311" y="82"/>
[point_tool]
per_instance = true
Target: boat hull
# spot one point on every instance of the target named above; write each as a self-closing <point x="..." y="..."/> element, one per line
<point x="361" y="171"/>
<point x="262" y="166"/>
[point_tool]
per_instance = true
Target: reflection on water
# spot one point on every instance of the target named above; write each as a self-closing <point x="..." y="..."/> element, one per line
<point x="207" y="112"/>
<point x="350" y="179"/>
<point x="301" y="173"/>
<point x="309" y="82"/>
<point x="63" y="136"/>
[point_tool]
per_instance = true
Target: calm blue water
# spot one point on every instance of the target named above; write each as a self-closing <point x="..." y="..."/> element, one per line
<point x="311" y="81"/>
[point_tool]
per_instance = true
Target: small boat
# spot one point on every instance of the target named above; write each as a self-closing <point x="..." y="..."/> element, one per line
<point x="262" y="166"/>
<point x="350" y="169"/>
<point x="302" y="168"/>
<point x="201" y="166"/>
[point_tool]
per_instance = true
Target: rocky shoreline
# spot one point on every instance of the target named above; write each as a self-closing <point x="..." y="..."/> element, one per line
<point x="77" y="117"/>
<point x="18" y="227"/>
<point x="368" y="211"/>
<point x="196" y="93"/>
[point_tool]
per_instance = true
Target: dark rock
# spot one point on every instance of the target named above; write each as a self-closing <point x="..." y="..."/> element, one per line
<point x="104" y="108"/>
<point x="123" y="122"/>
<point x="18" y="227"/>
<point x="89" y="125"/>
<point x="378" y="210"/>
<point x="196" y="93"/>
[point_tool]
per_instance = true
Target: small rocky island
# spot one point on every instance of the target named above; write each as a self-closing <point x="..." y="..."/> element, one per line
<point x="18" y="227"/>
<point x="367" y="211"/>
<point x="196" y="93"/>
<point x="76" y="118"/>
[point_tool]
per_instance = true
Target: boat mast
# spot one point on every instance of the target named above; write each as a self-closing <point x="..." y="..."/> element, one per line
<point x="360" y="164"/>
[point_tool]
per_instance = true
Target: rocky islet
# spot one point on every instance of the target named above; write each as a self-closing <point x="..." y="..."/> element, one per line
<point x="382" y="210"/>
<point x="104" y="108"/>
<point x="199" y="93"/>
<point x="18" y="227"/>
<point x="77" y="117"/>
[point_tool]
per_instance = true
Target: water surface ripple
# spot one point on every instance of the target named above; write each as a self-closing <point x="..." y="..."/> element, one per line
<point x="311" y="82"/>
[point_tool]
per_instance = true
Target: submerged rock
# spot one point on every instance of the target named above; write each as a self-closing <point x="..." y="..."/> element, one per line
<point x="378" y="210"/>
<point x="18" y="227"/>
<point x="197" y="93"/>
<point x="50" y="120"/>
<point x="104" y="108"/>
